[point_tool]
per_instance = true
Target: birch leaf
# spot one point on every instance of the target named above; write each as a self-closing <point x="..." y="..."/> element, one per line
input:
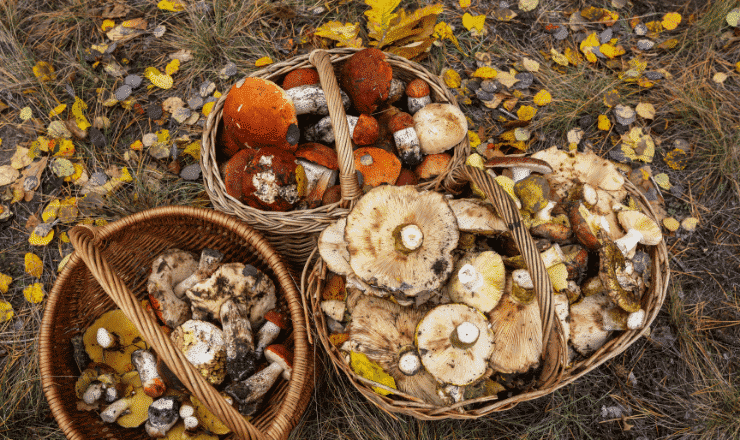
<point x="33" y="264"/>
<point x="344" y="34"/>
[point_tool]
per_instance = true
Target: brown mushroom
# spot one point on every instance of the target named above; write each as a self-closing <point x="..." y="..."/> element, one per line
<point x="169" y="269"/>
<point x="404" y="135"/>
<point x="248" y="393"/>
<point x="366" y="76"/>
<point x="418" y="95"/>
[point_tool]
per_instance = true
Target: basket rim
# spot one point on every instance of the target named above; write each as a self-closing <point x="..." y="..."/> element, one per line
<point x="654" y="296"/>
<point x="288" y="408"/>
<point x="316" y="219"/>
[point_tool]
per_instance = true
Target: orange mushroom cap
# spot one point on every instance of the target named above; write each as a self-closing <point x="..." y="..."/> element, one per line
<point x="417" y="88"/>
<point x="366" y="77"/>
<point x="407" y="177"/>
<point x="377" y="166"/>
<point x="433" y="165"/>
<point x="260" y="114"/>
<point x="234" y="171"/>
<point x="366" y="130"/>
<point x="300" y="77"/>
<point x="400" y="121"/>
<point x="319" y="154"/>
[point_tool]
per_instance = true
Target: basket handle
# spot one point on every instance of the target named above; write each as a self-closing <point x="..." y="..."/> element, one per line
<point x="82" y="238"/>
<point x="542" y="286"/>
<point x="347" y="177"/>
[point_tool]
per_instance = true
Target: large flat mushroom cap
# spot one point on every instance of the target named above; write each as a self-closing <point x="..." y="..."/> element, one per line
<point x="517" y="330"/>
<point x="333" y="248"/>
<point x="376" y="254"/>
<point x="448" y="360"/>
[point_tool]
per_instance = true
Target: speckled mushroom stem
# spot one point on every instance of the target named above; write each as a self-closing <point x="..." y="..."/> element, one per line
<point x="343" y="140"/>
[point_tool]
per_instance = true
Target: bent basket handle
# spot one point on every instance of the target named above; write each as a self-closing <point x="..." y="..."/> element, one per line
<point x="82" y="239"/>
<point x="553" y="352"/>
<point x="347" y="177"/>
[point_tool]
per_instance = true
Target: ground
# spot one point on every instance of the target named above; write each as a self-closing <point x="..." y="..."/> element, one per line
<point x="679" y="382"/>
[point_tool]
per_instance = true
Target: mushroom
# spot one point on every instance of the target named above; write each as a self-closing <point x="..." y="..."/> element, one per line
<point x="93" y="393"/>
<point x="455" y="342"/>
<point x="248" y="393"/>
<point x="334" y="309"/>
<point x="478" y="281"/>
<point x="640" y="229"/>
<point x="367" y="76"/>
<point x="610" y="260"/>
<point x="433" y="165"/>
<point x="146" y="364"/>
<point x="310" y="98"/>
<point x="189" y="419"/>
<point x="169" y="269"/>
<point x="534" y="193"/>
<point x="418" y="95"/>
<point x="520" y="167"/>
<point x="585" y="226"/>
<point x="209" y="261"/>
<point x="333" y="248"/>
<point x="275" y="322"/>
<point x="108" y="340"/>
<point x="300" y="77"/>
<point x="384" y="332"/>
<point x="476" y="216"/>
<point x="112" y="387"/>
<point x="114" y="321"/>
<point x="268" y="178"/>
<point x="439" y="127"/>
<point x="181" y="432"/>
<point x="396" y="91"/>
<point x="404" y="135"/>
<point x="516" y="326"/>
<point x="320" y="165"/>
<point x="241" y="356"/>
<point x="205" y="419"/>
<point x="401" y="239"/>
<point x="130" y="411"/>
<point x="163" y="413"/>
<point x="587" y="332"/>
<point x="377" y="166"/>
<point x="258" y="113"/>
<point x="204" y="347"/>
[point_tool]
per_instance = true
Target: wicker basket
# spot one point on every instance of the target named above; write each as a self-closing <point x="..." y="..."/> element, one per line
<point x="553" y="374"/>
<point x="293" y="233"/>
<point x="109" y="261"/>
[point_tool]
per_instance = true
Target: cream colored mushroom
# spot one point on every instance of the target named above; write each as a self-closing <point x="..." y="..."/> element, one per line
<point x="478" y="281"/>
<point x="168" y="269"/>
<point x="640" y="229"/>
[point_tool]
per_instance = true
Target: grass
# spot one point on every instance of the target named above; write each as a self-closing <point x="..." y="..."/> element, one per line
<point x="680" y="382"/>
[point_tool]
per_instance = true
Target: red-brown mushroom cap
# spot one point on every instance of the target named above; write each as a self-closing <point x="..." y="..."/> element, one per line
<point x="319" y="154"/>
<point x="261" y="114"/>
<point x="400" y="121"/>
<point x="277" y="353"/>
<point x="417" y="88"/>
<point x="433" y="165"/>
<point x="270" y="178"/>
<point x="366" y="130"/>
<point x="300" y="77"/>
<point x="234" y="173"/>
<point x="277" y="318"/>
<point x="377" y="166"/>
<point x="407" y="177"/>
<point x="366" y="77"/>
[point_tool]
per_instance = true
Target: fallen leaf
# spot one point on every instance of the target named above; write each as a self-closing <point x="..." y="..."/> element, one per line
<point x="264" y="61"/>
<point x="663" y="181"/>
<point x="41" y="235"/>
<point x="645" y="110"/>
<point x="78" y="109"/>
<point x="161" y="80"/>
<point x="733" y="17"/>
<point x="451" y="78"/>
<point x="34" y="293"/>
<point x="21" y="158"/>
<point x="62" y="167"/>
<point x="530" y="65"/>
<point x="57" y="110"/>
<point x="671" y="20"/>
<point x="26" y="113"/>
<point x="528" y="5"/>
<point x="611" y="51"/>
<point x="526" y="113"/>
<point x="507" y="79"/>
<point x="44" y="71"/>
<point x="611" y="98"/>
<point x="558" y="57"/>
<point x="193" y="149"/>
<point x="464" y="3"/>
<point x="443" y="31"/>
<point x="485" y="72"/>
<point x="671" y="224"/>
<point x="690" y="223"/>
<point x="603" y="123"/>
<point x="575" y="135"/>
<point x="123" y="33"/>
<point x="521" y="134"/>
<point x="344" y="34"/>
<point x="51" y="210"/>
<point x="8" y="175"/>
<point x="65" y="148"/>
<point x="719" y="77"/>
<point x="208" y="108"/>
<point x="473" y="22"/>
<point x="172" y="6"/>
<point x="542" y="97"/>
<point x="504" y="14"/>
<point x="172" y="67"/>
<point x="6" y="311"/>
<point x="63" y="262"/>
<point x="5" y="281"/>
<point x="107" y="25"/>
<point x="33" y="265"/>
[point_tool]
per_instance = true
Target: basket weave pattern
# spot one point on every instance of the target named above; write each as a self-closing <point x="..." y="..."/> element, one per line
<point x="553" y="374"/>
<point x="110" y="268"/>
<point x="293" y="233"/>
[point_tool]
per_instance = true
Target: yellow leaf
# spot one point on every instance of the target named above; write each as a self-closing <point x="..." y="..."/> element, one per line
<point x="101" y="222"/>
<point x="591" y="41"/>
<point x="6" y="311"/>
<point x="690" y="223"/>
<point x="473" y="138"/>
<point x="43" y="71"/>
<point x="737" y="67"/>
<point x="530" y="65"/>
<point x="485" y="72"/>
<point x="671" y="224"/>
<point x="34" y="293"/>
<point x="21" y="158"/>
<point x="654" y="26"/>
<point x="526" y="113"/>
<point x="5" y="281"/>
<point x="506" y="78"/>
<point x="610" y="51"/>
<point x="611" y="98"/>
<point x="208" y="108"/>
<point x="193" y="149"/>
<point x="344" y="34"/>
<point x="172" y="6"/>
<point x="719" y="77"/>
<point x="65" y="148"/>
<point x="379" y="17"/>
<point x="107" y="25"/>
<point x="64" y="260"/>
<point x="264" y="61"/>
<point x="451" y="78"/>
<point x="573" y="56"/>
<point x="464" y="3"/>
<point x="34" y="266"/>
<point x="558" y="57"/>
<point x="57" y="110"/>
<point x="542" y="97"/>
<point x="443" y="31"/>
<point x="77" y="110"/>
<point x="604" y="123"/>
<point x="26" y="113"/>
<point x="668" y="44"/>
<point x="733" y="17"/>
<point x="663" y="181"/>
<point x="412" y="30"/>
<point x="646" y="110"/>
<point x="172" y="67"/>
<point x="137" y="145"/>
<point x="364" y="367"/>
<point x="671" y="20"/>
<point x="504" y="14"/>
<point x="473" y="22"/>
<point x="37" y="240"/>
<point x="161" y="80"/>
<point x="528" y="5"/>
<point x="79" y="170"/>
<point x="51" y="210"/>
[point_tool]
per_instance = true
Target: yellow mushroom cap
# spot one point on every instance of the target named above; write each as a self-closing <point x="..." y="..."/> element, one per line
<point x="115" y="322"/>
<point x="478" y="281"/>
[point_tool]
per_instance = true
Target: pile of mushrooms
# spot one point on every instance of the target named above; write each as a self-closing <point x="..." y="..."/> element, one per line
<point x="428" y="298"/>
<point x="226" y="320"/>
<point x="274" y="139"/>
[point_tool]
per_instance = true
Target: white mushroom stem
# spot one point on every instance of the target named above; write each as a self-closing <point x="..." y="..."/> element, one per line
<point x="636" y="320"/>
<point x="416" y="104"/>
<point x="241" y="359"/>
<point x="186" y="410"/>
<point x="107" y="340"/>
<point x="396" y="90"/>
<point x="163" y="414"/>
<point x="209" y="261"/>
<point x="116" y="409"/>
<point x="191" y="423"/>
<point x="146" y="364"/>
<point x="617" y="319"/>
<point x="318" y="178"/>
<point x="628" y="243"/>
<point x="93" y="393"/>
<point x="467" y="333"/>
<point x="409" y="363"/>
<point x="310" y="98"/>
<point x="407" y="144"/>
<point x="470" y="277"/>
<point x="411" y="237"/>
<point x="520" y="173"/>
<point x="590" y="196"/>
<point x="266" y="336"/>
<point x="111" y="394"/>
<point x="334" y="309"/>
<point x="323" y="131"/>
<point x="544" y="214"/>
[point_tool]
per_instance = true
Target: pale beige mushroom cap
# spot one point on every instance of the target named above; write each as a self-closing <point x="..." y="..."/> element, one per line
<point x="443" y="354"/>
<point x="372" y="235"/>
<point x="517" y="331"/>
<point x="439" y="127"/>
<point x="587" y="332"/>
<point x="649" y="231"/>
<point x="477" y="216"/>
<point x="204" y="346"/>
<point x="478" y="281"/>
<point x="333" y="248"/>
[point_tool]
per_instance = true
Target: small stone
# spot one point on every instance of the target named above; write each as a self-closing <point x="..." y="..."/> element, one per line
<point x="606" y="35"/>
<point x="682" y="144"/>
<point x="195" y="103"/>
<point x="123" y="92"/>
<point x="207" y="88"/>
<point x="489" y="86"/>
<point x="525" y="80"/>
<point x="561" y="33"/>
<point x="159" y="150"/>
<point x="98" y="178"/>
<point x="97" y="137"/>
<point x="159" y="30"/>
<point x="227" y="71"/>
<point x="149" y="139"/>
<point x="181" y="115"/>
<point x="624" y="114"/>
<point x="645" y="44"/>
<point x="641" y="29"/>
<point x="191" y="172"/>
<point x="653" y="76"/>
<point x="473" y="84"/>
<point x="154" y="111"/>
<point x="483" y="95"/>
<point x="193" y="118"/>
<point x="597" y="51"/>
<point x="30" y="183"/>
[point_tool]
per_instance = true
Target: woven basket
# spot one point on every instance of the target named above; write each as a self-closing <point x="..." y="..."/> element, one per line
<point x="293" y="233"/>
<point x="110" y="268"/>
<point x="553" y="374"/>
